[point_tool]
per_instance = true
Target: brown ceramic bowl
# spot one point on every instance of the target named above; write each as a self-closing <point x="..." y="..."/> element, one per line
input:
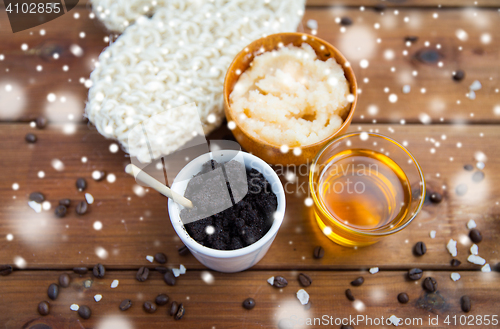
<point x="268" y="152"/>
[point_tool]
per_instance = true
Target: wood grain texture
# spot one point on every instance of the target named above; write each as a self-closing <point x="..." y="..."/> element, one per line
<point x="219" y="304"/>
<point x="134" y="227"/>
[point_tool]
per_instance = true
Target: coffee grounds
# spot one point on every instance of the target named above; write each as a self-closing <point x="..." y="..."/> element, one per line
<point x="241" y="224"/>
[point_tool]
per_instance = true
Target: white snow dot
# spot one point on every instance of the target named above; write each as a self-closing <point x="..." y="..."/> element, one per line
<point x="459" y="145"/>
<point x="41" y="174"/>
<point x="20" y="262"/>
<point x="57" y="164"/>
<point x="24" y="46"/>
<point x="65" y="68"/>
<point x="210" y="230"/>
<point x="82" y="35"/>
<point x="76" y="15"/>
<point x="101" y="252"/>
<point x="308" y="202"/>
<point x="393" y="98"/>
<point x="9" y="237"/>
<point x="113" y="148"/>
<point x="42" y="32"/>
<point x="51" y="97"/>
<point x="297" y="151"/>
<point x="211" y="118"/>
<point x="327" y="230"/>
<point x="84" y="159"/>
<point x="46" y="205"/>
<point x="231" y="125"/>
<point x="97" y="225"/>
<point x="76" y="50"/>
<point x="486" y="38"/>
<point x="364" y="63"/>
<point x="363" y="136"/>
<point x="15" y="186"/>
<point x="284" y="148"/>
<point x="350" y="98"/>
<point x="39" y="68"/>
<point x="111" y="178"/>
<point x="207" y="277"/>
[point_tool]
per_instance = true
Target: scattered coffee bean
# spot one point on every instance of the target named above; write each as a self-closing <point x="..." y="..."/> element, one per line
<point x="161" y="258"/>
<point x="319" y="252"/>
<point x="380" y="7"/>
<point x="183" y="251"/>
<point x="403" y="298"/>
<point x="346" y="327"/>
<point x="161" y="269"/>
<point x="30" y="138"/>
<point x="469" y="167"/>
<point x="84" y="311"/>
<point x="411" y="38"/>
<point x="280" y="282"/>
<point x="458" y="75"/>
<point x="61" y="211"/>
<point x="53" y="291"/>
<point x="305" y="280"/>
<point x="169" y="278"/>
<point x="149" y="307"/>
<point x="430" y="284"/>
<point x="161" y="299"/>
<point x="41" y="122"/>
<point x="359" y="281"/>
<point x="99" y="271"/>
<point x="349" y="295"/>
<point x="478" y="176"/>
<point x="37" y="197"/>
<point x="455" y="262"/>
<point x="436" y="197"/>
<point x="65" y="202"/>
<point x="461" y="189"/>
<point x="142" y="274"/>
<point x="44" y="308"/>
<point x="465" y="304"/>
<point x="125" y="304"/>
<point x="249" y="303"/>
<point x="475" y="235"/>
<point x="80" y="270"/>
<point x="81" y="184"/>
<point x="420" y="248"/>
<point x="173" y="308"/>
<point x="180" y="312"/>
<point x="81" y="208"/>
<point x="346" y="21"/>
<point x="5" y="270"/>
<point x="415" y="274"/>
<point x="428" y="56"/>
<point x="64" y="280"/>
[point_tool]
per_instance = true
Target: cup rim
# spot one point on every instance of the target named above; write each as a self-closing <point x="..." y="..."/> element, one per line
<point x="192" y="244"/>
<point x="404" y="149"/>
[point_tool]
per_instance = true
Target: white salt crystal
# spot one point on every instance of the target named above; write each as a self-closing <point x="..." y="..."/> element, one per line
<point x="89" y="198"/>
<point x="97" y="297"/>
<point x="474" y="249"/>
<point x="312" y="24"/>
<point x="486" y="268"/>
<point x="472" y="94"/>
<point x="182" y="269"/>
<point x="476" y="260"/>
<point x="394" y="320"/>
<point x="455" y="276"/>
<point x="150" y="258"/>
<point x="476" y="85"/>
<point x="176" y="272"/>
<point x="303" y="296"/>
<point x="432" y="234"/>
<point x="74" y="307"/>
<point x="374" y="270"/>
<point x="471" y="224"/>
<point x="452" y="247"/>
<point x="271" y="280"/>
<point x="35" y="206"/>
<point x="115" y="283"/>
<point x="406" y="89"/>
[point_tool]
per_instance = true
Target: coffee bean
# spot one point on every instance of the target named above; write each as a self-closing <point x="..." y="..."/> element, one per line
<point x="81" y="184"/>
<point x="455" y="262"/>
<point x="142" y="274"/>
<point x="436" y="197"/>
<point x="280" y="282"/>
<point x="41" y="122"/>
<point x="84" y="311"/>
<point x="346" y="327"/>
<point x="149" y="307"/>
<point x="5" y="270"/>
<point x="81" y="208"/>
<point x="478" y="176"/>
<point x="80" y="270"/>
<point x="430" y="284"/>
<point x="475" y="235"/>
<point x="349" y="295"/>
<point x="458" y="75"/>
<point x="468" y="167"/>
<point x="44" y="308"/>
<point x="161" y="299"/>
<point x="183" y="251"/>
<point x="346" y="21"/>
<point x="180" y="312"/>
<point x="30" y="138"/>
<point x="161" y="258"/>
<point x="249" y="303"/>
<point x="380" y="7"/>
<point x="61" y="211"/>
<point x="411" y="38"/>
<point x="319" y="252"/>
<point x="64" y="280"/>
<point x="359" y="281"/>
<point x="428" y="56"/>
<point x="65" y="202"/>
<point x="305" y="280"/>
<point x="53" y="291"/>
<point x="37" y="197"/>
<point x="125" y="304"/>
<point x="161" y="269"/>
<point x="403" y="298"/>
<point x="465" y="304"/>
<point x="173" y="308"/>
<point x="415" y="274"/>
<point x="420" y="248"/>
<point x="169" y="278"/>
<point x="99" y="271"/>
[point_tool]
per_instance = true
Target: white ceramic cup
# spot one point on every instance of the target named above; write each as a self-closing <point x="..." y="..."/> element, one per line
<point x="227" y="260"/>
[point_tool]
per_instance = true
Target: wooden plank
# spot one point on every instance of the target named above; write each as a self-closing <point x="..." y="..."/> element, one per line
<point x="478" y="60"/>
<point x="134" y="226"/>
<point x="219" y="304"/>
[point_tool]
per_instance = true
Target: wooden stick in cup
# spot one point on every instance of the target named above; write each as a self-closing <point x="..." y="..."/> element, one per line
<point x="144" y="178"/>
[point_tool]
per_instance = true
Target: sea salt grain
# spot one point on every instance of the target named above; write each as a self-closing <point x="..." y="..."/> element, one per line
<point x="374" y="270"/>
<point x="394" y="320"/>
<point x="455" y="276"/>
<point x="452" y="247"/>
<point x="476" y="85"/>
<point x="74" y="307"/>
<point x="476" y="260"/>
<point x="35" y="206"/>
<point x="97" y="297"/>
<point x="114" y="284"/>
<point x="150" y="258"/>
<point x="271" y="280"/>
<point x="432" y="234"/>
<point x="303" y="296"/>
<point x="471" y="224"/>
<point x="176" y="272"/>
<point x="486" y="268"/>
<point x="312" y="24"/>
<point x="89" y="198"/>
<point x="474" y="249"/>
<point x="182" y="269"/>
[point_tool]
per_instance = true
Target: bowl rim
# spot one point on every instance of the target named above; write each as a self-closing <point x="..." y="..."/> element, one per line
<point x="353" y="88"/>
<point x="272" y="177"/>
<point x="404" y="149"/>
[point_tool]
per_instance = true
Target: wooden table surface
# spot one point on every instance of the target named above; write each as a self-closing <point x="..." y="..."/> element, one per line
<point x="440" y="125"/>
